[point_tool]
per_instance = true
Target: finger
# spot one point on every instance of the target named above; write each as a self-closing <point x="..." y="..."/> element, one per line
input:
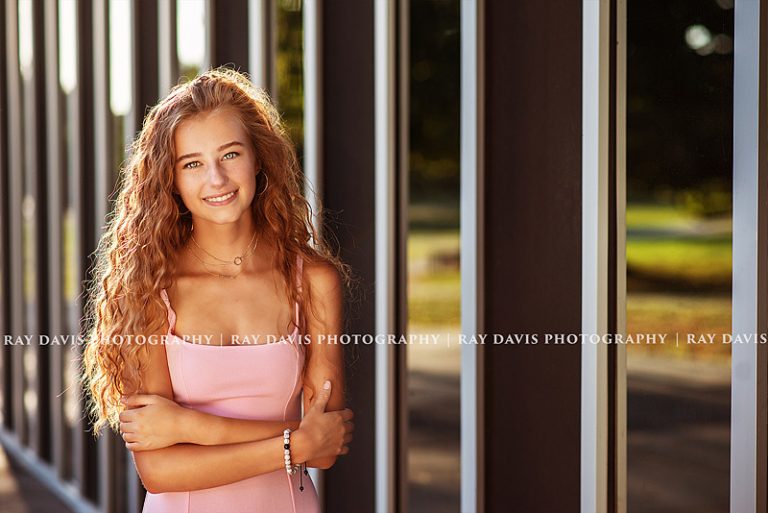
<point x="126" y="416"/>
<point x="126" y="427"/>
<point x="133" y="446"/>
<point x="347" y="439"/>
<point x="347" y="414"/>
<point x="349" y="426"/>
<point x="322" y="397"/>
<point x="344" y="450"/>
<point x="130" y="437"/>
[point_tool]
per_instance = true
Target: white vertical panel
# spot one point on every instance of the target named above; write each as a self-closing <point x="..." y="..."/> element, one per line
<point x="471" y="211"/>
<point x="209" y="11"/>
<point x="594" y="296"/>
<point x="313" y="157"/>
<point x="258" y="43"/>
<point x="168" y="62"/>
<point x="745" y="253"/>
<point x="385" y="168"/>
<point x="312" y="57"/>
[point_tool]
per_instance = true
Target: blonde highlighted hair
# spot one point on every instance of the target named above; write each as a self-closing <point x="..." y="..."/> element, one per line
<point x="136" y="256"/>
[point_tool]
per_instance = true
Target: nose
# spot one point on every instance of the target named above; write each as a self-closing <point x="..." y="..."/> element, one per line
<point x="216" y="175"/>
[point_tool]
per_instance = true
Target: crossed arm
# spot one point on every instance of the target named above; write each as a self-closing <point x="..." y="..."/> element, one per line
<point x="180" y="449"/>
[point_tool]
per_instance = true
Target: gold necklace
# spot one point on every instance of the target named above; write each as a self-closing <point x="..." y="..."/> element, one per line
<point x="237" y="260"/>
<point x="218" y="275"/>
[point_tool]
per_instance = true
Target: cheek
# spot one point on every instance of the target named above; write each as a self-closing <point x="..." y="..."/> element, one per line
<point x="246" y="177"/>
<point x="185" y="187"/>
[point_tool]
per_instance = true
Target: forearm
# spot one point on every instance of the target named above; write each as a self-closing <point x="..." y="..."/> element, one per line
<point x="187" y="467"/>
<point x="208" y="429"/>
<point x="321" y="463"/>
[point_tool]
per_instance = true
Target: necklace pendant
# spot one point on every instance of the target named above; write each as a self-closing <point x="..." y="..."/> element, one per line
<point x="238" y="260"/>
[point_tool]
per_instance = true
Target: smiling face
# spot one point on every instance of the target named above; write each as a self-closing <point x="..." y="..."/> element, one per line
<point x="215" y="168"/>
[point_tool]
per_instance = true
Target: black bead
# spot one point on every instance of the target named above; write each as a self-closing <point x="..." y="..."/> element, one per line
<point x="286" y="446"/>
<point x="301" y="488"/>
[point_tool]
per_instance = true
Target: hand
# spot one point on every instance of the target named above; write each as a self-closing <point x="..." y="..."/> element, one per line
<point x="150" y="422"/>
<point x="327" y="434"/>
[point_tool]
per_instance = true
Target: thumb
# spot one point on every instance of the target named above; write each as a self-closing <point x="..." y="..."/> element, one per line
<point x="322" y="397"/>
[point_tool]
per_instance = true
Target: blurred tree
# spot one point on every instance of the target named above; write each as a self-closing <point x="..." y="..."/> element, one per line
<point x="434" y="124"/>
<point x="679" y="98"/>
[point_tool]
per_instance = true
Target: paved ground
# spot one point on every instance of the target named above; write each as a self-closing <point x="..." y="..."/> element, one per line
<point x="22" y="493"/>
<point x="678" y="451"/>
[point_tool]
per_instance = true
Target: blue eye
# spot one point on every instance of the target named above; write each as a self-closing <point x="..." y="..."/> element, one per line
<point x="190" y="166"/>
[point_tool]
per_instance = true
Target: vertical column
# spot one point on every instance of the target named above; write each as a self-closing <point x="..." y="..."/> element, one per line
<point x="102" y="115"/>
<point x="617" y="489"/>
<point x="353" y="133"/>
<point x="55" y="173"/>
<point x="313" y="94"/>
<point x="108" y="475"/>
<point x="35" y="168"/>
<point x="6" y="397"/>
<point x="146" y="56"/>
<point x="15" y="193"/>
<point x="84" y="449"/>
<point x="229" y="22"/>
<point x="597" y="307"/>
<point x="261" y="44"/>
<point x="749" y="363"/>
<point x="531" y="259"/>
<point x="386" y="167"/>
<point x="472" y="244"/>
<point x="312" y="64"/>
<point x="167" y="61"/>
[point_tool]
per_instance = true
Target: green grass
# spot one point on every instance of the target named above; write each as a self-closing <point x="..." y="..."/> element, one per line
<point x="646" y="215"/>
<point x="434" y="293"/>
<point x="665" y="254"/>
<point x="699" y="260"/>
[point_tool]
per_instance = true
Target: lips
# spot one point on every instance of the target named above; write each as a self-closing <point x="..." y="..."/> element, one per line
<point x="221" y="199"/>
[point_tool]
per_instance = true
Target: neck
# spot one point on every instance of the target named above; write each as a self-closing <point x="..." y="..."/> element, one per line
<point x="226" y="241"/>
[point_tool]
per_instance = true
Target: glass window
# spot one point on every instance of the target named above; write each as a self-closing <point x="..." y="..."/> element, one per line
<point x="679" y="167"/>
<point x="433" y="279"/>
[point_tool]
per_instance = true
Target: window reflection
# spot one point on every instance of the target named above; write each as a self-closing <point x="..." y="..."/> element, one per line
<point x="433" y="258"/>
<point x="679" y="186"/>
<point x="290" y="70"/>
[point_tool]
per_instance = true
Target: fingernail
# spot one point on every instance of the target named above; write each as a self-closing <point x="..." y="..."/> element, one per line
<point x="327" y="384"/>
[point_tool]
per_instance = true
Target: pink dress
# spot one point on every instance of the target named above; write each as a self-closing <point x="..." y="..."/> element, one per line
<point x="256" y="381"/>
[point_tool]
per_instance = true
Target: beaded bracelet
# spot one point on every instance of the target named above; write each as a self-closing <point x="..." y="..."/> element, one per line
<point x="290" y="469"/>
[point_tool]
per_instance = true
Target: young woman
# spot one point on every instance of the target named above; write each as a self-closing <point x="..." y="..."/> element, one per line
<point x="211" y="308"/>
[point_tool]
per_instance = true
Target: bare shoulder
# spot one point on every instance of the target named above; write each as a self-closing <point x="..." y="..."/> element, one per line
<point x="323" y="279"/>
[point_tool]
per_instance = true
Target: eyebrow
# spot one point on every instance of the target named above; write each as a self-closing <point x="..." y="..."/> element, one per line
<point x="222" y="147"/>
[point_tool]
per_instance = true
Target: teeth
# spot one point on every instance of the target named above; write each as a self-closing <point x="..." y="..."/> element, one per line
<point x="219" y="199"/>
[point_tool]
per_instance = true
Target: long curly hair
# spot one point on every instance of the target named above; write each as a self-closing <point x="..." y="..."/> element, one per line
<point x="136" y="256"/>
